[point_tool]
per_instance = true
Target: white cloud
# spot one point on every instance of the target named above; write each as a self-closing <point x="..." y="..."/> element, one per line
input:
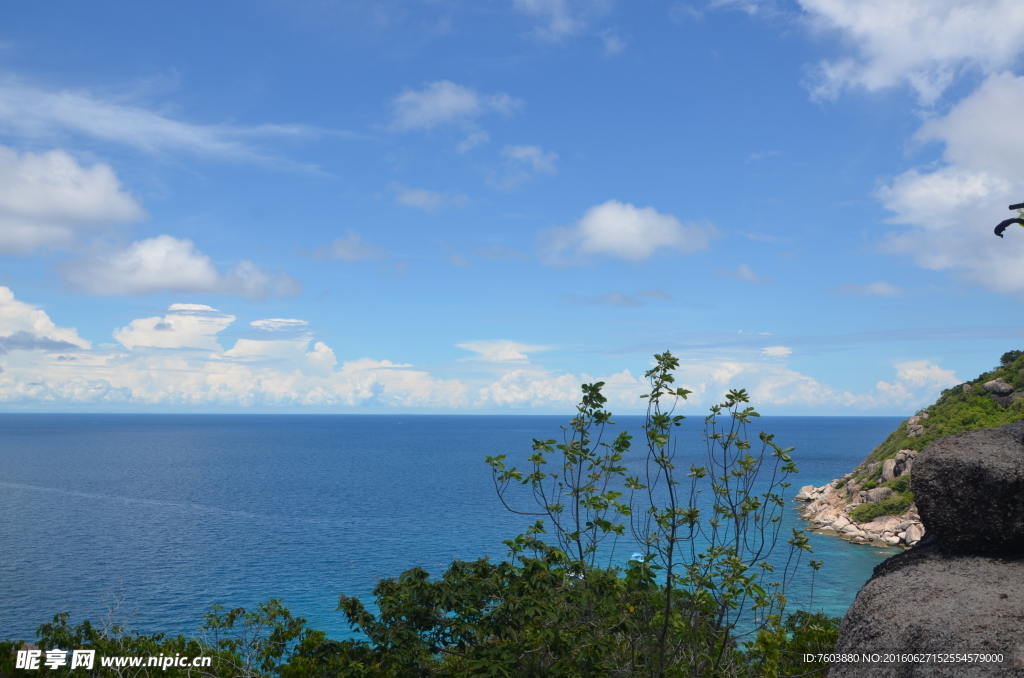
<point x="444" y="102"/>
<point x="321" y="359"/>
<point x="744" y="273"/>
<point x="501" y="351"/>
<point x="472" y="140"/>
<point x="922" y="43"/>
<point x="259" y="350"/>
<point x="523" y="163"/>
<point x="184" y="326"/>
<point x="171" y="264"/>
<point x="39" y="113"/>
<point x="625" y="231"/>
<point x="951" y="210"/>
<point x="427" y="200"/>
<point x="875" y="289"/>
<point x="532" y="157"/>
<point x="276" y="324"/>
<point x="349" y="248"/>
<point x="562" y="17"/>
<point x="47" y="198"/>
<point x="25" y="326"/>
<point x="773" y="384"/>
<point x="177" y="360"/>
<point x="614" y="44"/>
<point x="190" y="368"/>
<point x="919" y="374"/>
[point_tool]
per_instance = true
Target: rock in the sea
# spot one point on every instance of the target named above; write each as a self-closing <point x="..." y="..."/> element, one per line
<point x="805" y="493"/>
<point x="924" y="601"/>
<point x="915" y="430"/>
<point x="969" y="490"/>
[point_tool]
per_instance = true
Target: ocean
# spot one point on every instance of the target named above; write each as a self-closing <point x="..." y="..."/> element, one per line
<point x="154" y="518"/>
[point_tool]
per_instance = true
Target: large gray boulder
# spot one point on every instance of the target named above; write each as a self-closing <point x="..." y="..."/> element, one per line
<point x="888" y="470"/>
<point x="959" y="590"/>
<point x="925" y="601"/>
<point x="998" y="387"/>
<point x="969" y="490"/>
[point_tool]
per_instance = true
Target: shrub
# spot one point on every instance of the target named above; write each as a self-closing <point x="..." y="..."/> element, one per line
<point x="889" y="507"/>
<point x="899" y="484"/>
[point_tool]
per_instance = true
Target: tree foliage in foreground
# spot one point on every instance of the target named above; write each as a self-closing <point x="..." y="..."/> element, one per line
<point x="702" y="600"/>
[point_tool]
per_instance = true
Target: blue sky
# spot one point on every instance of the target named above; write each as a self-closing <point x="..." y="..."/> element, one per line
<point x="443" y="206"/>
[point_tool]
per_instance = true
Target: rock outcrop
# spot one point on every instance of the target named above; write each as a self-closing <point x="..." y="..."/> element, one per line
<point x="827" y="508"/>
<point x="969" y="490"/>
<point x="959" y="590"/>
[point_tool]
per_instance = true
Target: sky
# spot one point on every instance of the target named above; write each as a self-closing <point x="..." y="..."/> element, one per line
<point x="443" y="206"/>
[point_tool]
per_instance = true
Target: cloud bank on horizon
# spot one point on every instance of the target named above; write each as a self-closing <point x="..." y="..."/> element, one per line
<point x="179" y="359"/>
<point x="557" y="188"/>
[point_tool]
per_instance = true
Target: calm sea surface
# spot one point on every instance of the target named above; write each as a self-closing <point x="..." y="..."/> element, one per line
<point x="174" y="513"/>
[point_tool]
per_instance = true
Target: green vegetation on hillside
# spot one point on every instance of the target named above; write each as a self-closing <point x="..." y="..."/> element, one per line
<point x="955" y="411"/>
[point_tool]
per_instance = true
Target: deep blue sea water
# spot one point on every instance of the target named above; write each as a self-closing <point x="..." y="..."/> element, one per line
<point x="174" y="513"/>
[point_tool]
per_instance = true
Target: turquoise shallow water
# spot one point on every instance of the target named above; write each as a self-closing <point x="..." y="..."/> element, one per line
<point x="174" y="513"/>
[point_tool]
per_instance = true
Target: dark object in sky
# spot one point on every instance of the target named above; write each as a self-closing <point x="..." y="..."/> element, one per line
<point x="1003" y="225"/>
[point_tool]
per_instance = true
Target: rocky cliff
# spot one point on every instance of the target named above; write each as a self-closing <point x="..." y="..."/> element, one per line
<point x="954" y="604"/>
<point x="876" y="503"/>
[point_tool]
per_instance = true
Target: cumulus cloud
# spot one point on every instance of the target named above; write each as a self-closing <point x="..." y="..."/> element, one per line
<point x="47" y="198"/>
<point x="916" y="375"/>
<point x="771" y="383"/>
<point x="777" y="351"/>
<point x="744" y="273"/>
<point x="177" y="359"/>
<point x="184" y="326"/>
<point x="444" y="102"/>
<point x="625" y="231"/>
<point x="260" y="350"/>
<point x="166" y="263"/>
<point x="562" y="17"/>
<point x="950" y="210"/>
<point x="427" y="200"/>
<point x="523" y="163"/>
<point x="501" y="351"/>
<point x="921" y="43"/>
<point x="875" y="289"/>
<point x="25" y="327"/>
